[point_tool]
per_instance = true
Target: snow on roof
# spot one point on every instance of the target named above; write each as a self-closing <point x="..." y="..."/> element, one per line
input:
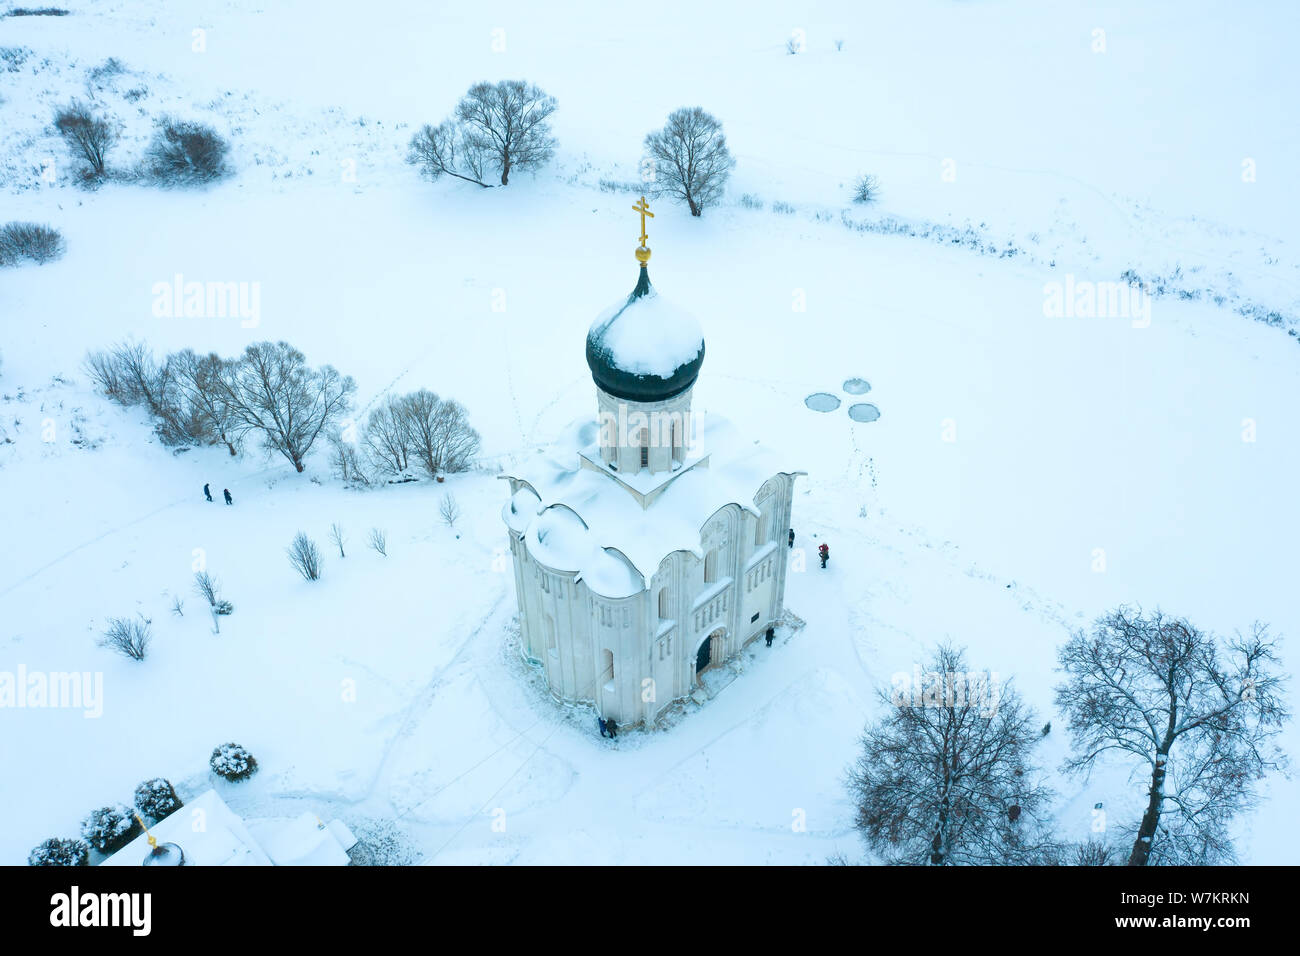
<point x="308" y="841"/>
<point x="587" y="512"/>
<point x="560" y="539"/>
<point x="221" y="840"/>
<point x="647" y="336"/>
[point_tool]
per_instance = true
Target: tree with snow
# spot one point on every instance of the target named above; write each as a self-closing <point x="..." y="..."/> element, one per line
<point x="691" y="159"/>
<point x="947" y="776"/>
<point x="1193" y="713"/>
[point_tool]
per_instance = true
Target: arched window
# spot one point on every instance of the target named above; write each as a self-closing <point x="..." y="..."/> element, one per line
<point x="663" y="603"/>
<point x="711" y="566"/>
<point x="607" y="667"/>
<point x="760" y="530"/>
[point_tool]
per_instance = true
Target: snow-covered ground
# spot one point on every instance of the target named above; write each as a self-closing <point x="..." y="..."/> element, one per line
<point x="1011" y="445"/>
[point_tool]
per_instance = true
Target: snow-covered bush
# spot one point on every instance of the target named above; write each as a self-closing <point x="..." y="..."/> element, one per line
<point x="184" y="152"/>
<point x="232" y="762"/>
<point x="57" y="851"/>
<point x="156" y="799"/>
<point x="128" y="637"/>
<point x="108" y="829"/>
<point x="866" y="189"/>
<point x="691" y="159"/>
<point x="209" y="588"/>
<point x="89" y="137"/>
<point x="304" y="556"/>
<point x="31" y="241"/>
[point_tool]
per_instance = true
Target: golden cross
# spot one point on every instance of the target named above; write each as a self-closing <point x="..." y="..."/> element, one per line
<point x="644" y="210"/>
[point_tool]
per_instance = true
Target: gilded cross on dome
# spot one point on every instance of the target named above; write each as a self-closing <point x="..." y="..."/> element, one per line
<point x="643" y="253"/>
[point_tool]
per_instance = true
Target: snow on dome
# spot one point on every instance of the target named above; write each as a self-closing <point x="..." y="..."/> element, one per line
<point x="648" y="336"/>
<point x="645" y="348"/>
<point x="560" y="539"/>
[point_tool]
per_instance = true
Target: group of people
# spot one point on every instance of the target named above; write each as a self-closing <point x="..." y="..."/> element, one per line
<point x="607" y="727"/>
<point x="207" y="493"/>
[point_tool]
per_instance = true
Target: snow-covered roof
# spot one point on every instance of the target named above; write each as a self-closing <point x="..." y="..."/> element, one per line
<point x="207" y="831"/>
<point x="581" y="513"/>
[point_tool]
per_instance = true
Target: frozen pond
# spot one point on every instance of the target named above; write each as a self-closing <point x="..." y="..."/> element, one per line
<point x="822" y="402"/>
<point x="864" y="412"/>
<point x="857" y="386"/>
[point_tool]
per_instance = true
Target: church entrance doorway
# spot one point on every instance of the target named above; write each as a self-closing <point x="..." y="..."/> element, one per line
<point x="709" y="652"/>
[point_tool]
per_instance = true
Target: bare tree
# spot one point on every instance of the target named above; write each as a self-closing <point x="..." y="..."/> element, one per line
<point x="438" y="432"/>
<point x="443" y="150"/>
<point x="449" y="510"/>
<point x="203" y="381"/>
<point x="305" y="556"/>
<point x="346" y="459"/>
<point x="387" y="437"/>
<point x="1194" y="713"/>
<point x="128" y="636"/>
<point x="508" y="121"/>
<point x="273" y="391"/>
<point x="691" y="160"/>
<point x="947" y="777"/>
<point x="336" y="535"/>
<point x="379" y="540"/>
<point x="89" y="137"/>
<point x="178" y="607"/>
<point x="498" y="128"/>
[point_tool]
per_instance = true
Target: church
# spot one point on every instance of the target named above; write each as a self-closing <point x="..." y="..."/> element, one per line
<point x="651" y="546"/>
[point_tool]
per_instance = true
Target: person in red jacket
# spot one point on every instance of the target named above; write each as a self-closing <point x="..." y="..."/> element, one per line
<point x="825" y="552"/>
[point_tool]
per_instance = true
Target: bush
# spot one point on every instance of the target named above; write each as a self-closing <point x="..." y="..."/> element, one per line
<point x="184" y="152"/>
<point x="379" y="541"/>
<point x="156" y="799"/>
<point x="108" y="829"/>
<point x="232" y="762"/>
<point x="750" y="201"/>
<point x="89" y="136"/>
<point x="305" y="557"/>
<point x="128" y="637"/>
<point x="56" y="851"/>
<point x="866" y="189"/>
<point x="30" y="240"/>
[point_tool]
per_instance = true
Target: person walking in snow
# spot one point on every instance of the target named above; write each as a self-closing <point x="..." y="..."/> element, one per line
<point x="792" y="537"/>
<point x="602" y="726"/>
<point x="207" y="492"/>
<point x="825" y="552"/>
<point x="771" y="633"/>
<point x="231" y="501"/>
<point x="611" y="727"/>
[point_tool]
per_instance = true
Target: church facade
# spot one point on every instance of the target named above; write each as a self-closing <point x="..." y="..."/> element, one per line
<point x="652" y="546"/>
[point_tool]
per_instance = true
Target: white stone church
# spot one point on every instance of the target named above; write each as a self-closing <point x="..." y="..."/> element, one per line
<point x="649" y="546"/>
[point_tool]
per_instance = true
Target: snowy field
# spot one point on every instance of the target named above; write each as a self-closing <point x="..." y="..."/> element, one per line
<point x="1011" y="445"/>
